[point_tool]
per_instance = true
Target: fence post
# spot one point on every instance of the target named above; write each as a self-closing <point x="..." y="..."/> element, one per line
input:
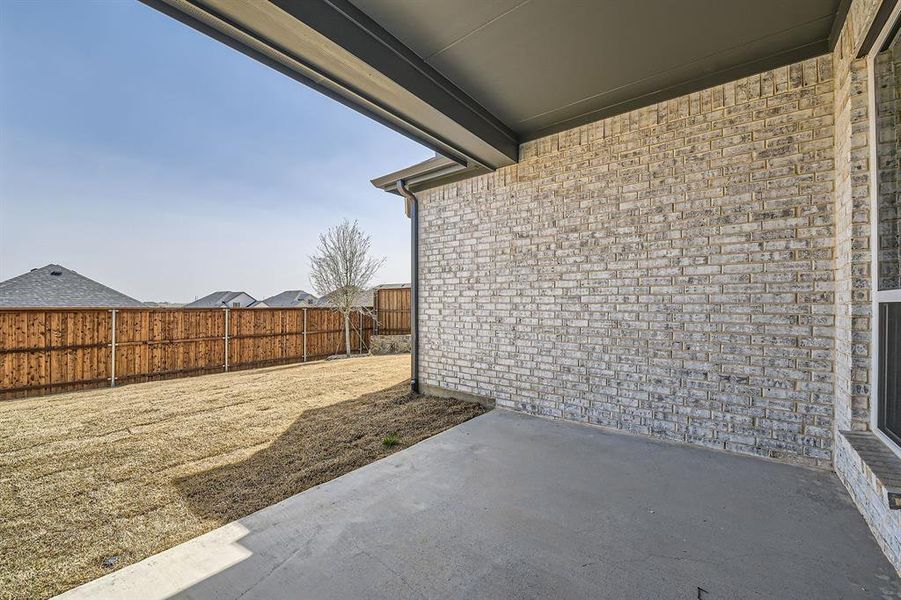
<point x="360" y="311"/>
<point x="375" y="311"/>
<point x="112" y="379"/>
<point x="226" y="340"/>
<point x="304" y="335"/>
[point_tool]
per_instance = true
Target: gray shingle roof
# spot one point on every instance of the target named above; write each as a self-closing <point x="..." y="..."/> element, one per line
<point x="215" y="300"/>
<point x="290" y="298"/>
<point x="55" y="286"/>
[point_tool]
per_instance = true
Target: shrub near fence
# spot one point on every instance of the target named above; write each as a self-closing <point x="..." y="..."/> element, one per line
<point x="46" y="351"/>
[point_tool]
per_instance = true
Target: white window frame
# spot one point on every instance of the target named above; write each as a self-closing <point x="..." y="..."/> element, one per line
<point x="877" y="297"/>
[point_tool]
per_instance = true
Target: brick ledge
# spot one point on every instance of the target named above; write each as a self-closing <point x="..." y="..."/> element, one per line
<point x="880" y="460"/>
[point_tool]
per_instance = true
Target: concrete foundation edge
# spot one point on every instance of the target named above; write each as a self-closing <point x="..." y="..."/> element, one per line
<point x="433" y="390"/>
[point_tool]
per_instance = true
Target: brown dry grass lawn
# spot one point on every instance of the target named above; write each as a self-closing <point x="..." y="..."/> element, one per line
<point x="131" y="471"/>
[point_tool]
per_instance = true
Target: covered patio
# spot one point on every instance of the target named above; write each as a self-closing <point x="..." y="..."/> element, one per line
<point x="675" y="219"/>
<point x="514" y="506"/>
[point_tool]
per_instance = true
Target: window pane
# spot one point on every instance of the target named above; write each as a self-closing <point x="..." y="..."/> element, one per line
<point x="890" y="369"/>
<point x="888" y="148"/>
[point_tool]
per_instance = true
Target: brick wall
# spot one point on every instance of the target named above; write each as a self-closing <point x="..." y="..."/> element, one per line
<point x="853" y="309"/>
<point x="852" y="215"/>
<point x="668" y="271"/>
<point x="698" y="270"/>
<point x="887" y="73"/>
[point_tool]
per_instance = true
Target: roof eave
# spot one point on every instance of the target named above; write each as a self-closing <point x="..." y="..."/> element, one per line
<point x="430" y="173"/>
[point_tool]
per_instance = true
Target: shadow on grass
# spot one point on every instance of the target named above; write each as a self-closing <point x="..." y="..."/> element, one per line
<point x="322" y="444"/>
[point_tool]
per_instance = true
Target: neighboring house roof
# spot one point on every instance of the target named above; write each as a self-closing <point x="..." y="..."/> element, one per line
<point x="289" y="298"/>
<point x="163" y="304"/>
<point x="364" y="299"/>
<point x="55" y="286"/>
<point x="217" y="300"/>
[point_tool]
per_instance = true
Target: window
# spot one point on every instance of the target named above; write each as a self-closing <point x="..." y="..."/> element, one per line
<point x="886" y="234"/>
<point x="889" y="371"/>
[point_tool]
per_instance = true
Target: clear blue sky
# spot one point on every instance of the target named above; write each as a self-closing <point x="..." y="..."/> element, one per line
<point x="158" y="161"/>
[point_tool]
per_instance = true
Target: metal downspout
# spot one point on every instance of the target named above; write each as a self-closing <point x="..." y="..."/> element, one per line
<point x="412" y="209"/>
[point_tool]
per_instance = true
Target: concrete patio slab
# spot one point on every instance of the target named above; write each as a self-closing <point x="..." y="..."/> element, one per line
<point x="512" y="506"/>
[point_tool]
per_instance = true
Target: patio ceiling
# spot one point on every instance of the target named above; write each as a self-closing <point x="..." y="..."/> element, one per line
<point x="472" y="79"/>
<point x="545" y="65"/>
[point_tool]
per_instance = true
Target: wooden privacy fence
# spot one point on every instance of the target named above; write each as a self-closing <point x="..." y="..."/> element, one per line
<point x="392" y="305"/>
<point x="46" y="351"/>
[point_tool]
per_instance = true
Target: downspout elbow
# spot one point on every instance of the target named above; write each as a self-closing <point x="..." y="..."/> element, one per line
<point x="409" y="197"/>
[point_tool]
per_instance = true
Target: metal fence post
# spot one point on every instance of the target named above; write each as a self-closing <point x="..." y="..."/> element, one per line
<point x="304" y="335"/>
<point x="360" y="311"/>
<point x="376" y="313"/>
<point x="226" y="340"/>
<point x="112" y="379"/>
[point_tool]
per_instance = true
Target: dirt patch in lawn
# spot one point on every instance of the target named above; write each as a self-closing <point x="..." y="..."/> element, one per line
<point x="93" y="481"/>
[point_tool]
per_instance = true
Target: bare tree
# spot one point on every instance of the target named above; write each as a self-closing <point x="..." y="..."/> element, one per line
<point x="341" y="269"/>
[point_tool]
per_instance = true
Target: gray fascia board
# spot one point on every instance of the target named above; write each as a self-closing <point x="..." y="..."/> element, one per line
<point x="356" y="62"/>
<point x="426" y="168"/>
